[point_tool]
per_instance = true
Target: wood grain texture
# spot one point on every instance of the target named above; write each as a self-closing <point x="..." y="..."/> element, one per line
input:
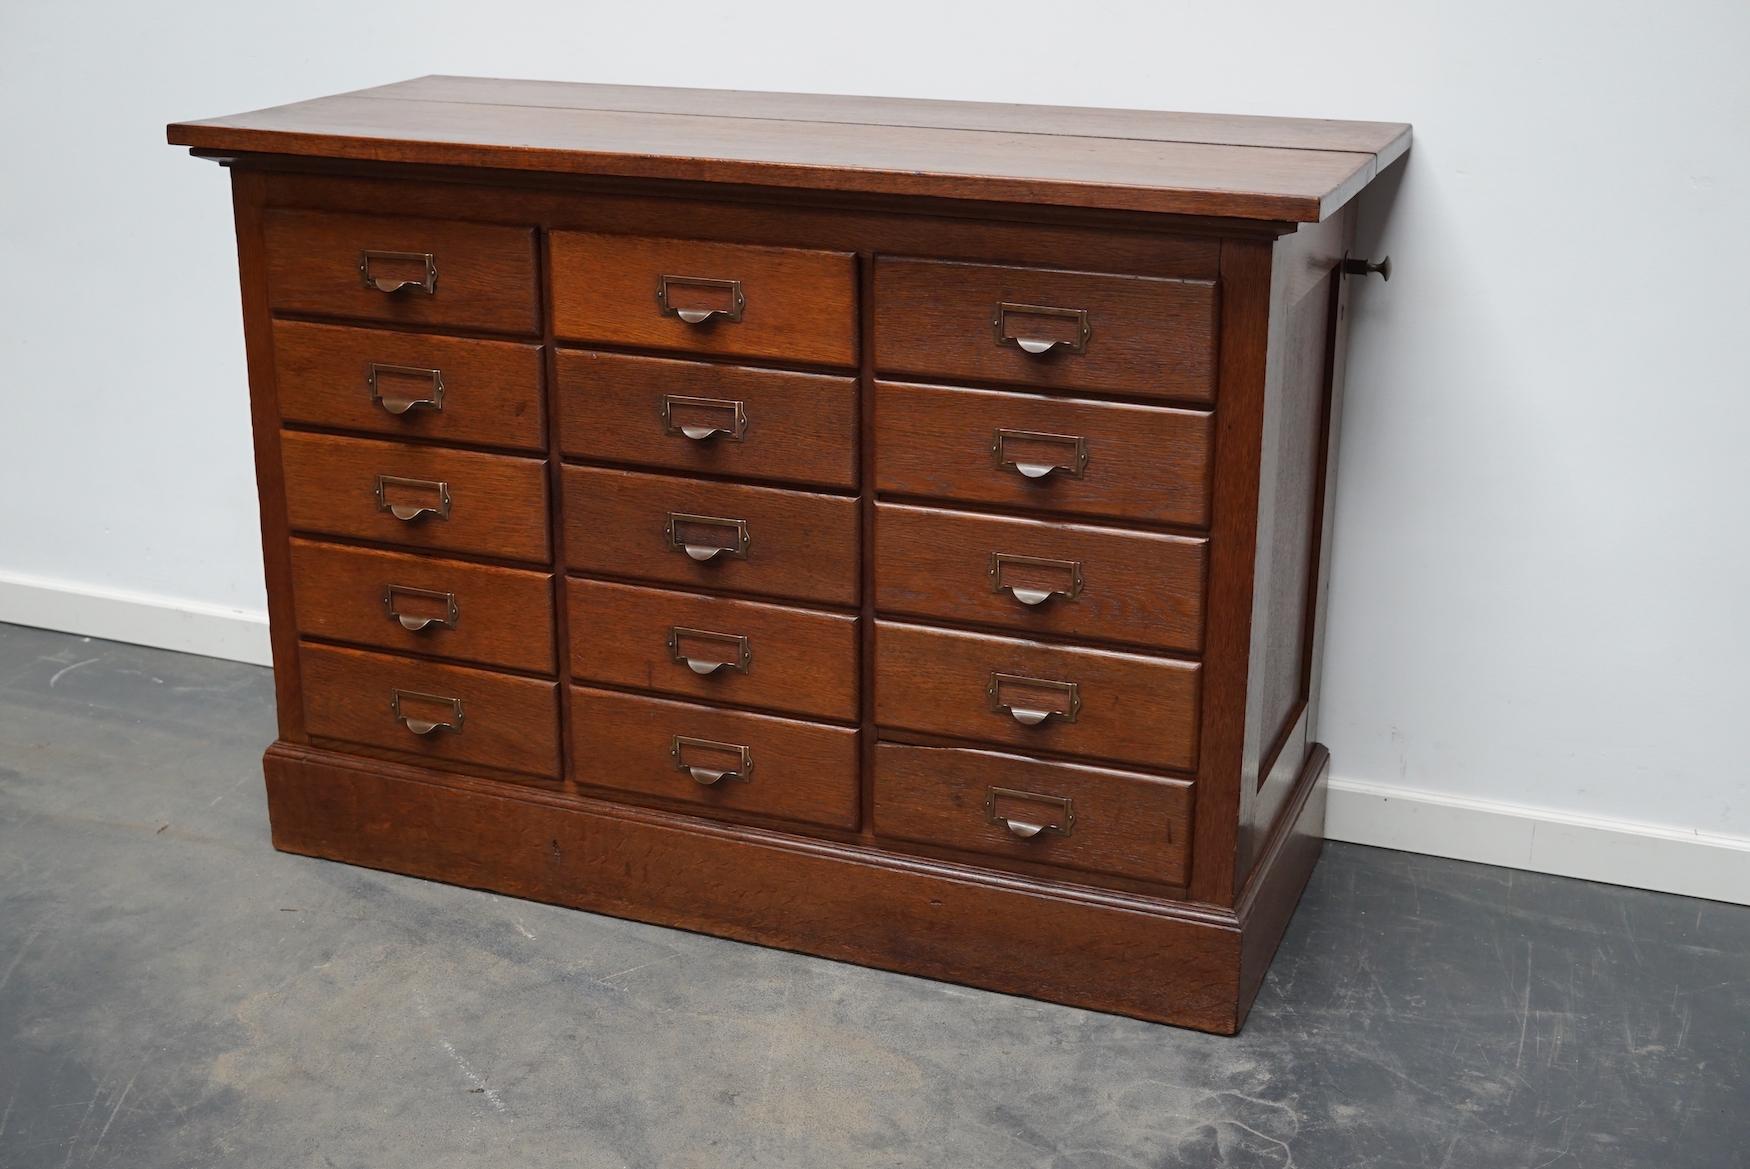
<point x="854" y="904"/>
<point x="800" y="545"/>
<point x="1135" y="587"/>
<point x="498" y="504"/>
<point x="503" y="616"/>
<point x="1144" y="463"/>
<point x="798" y="661"/>
<point x="491" y="389"/>
<point x="801" y="771"/>
<point x="485" y="274"/>
<point x="1261" y="179"/>
<point x="799" y="305"/>
<point x="1149" y="338"/>
<point x="1117" y="822"/>
<point x="507" y="722"/>
<point x="798" y="427"/>
<point x="1134" y="709"/>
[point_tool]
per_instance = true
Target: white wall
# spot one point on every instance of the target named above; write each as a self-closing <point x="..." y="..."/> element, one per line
<point x="1542" y="541"/>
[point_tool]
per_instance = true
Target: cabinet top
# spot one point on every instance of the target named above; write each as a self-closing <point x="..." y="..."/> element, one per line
<point x="1224" y="165"/>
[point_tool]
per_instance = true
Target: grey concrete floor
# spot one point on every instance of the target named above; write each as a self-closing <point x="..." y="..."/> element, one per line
<point x="175" y="993"/>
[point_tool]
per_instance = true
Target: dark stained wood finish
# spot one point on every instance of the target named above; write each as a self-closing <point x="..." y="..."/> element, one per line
<point x="796" y="661"/>
<point x="796" y="305"/>
<point x="1134" y="709"/>
<point x="1135" y="587"/>
<point x="508" y="722"/>
<point x="1204" y="402"/>
<point x="502" y="616"/>
<point x="1092" y="819"/>
<point x="498" y="504"/>
<point x="1270" y="172"/>
<point x="491" y="389"/>
<point x="1148" y="338"/>
<point x="801" y="771"/>
<point x="800" y="545"/>
<point x="795" y="427"/>
<point x="485" y="276"/>
<point x="1144" y="463"/>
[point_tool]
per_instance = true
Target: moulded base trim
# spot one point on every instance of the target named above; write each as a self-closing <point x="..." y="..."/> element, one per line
<point x="192" y="627"/>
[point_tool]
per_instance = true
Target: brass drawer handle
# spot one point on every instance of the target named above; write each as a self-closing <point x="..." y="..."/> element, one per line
<point x="439" y="508"/>
<point x="702" y="537"/>
<point x="681" y="749"/>
<point x="1033" y="454"/>
<point x="426" y="283"/>
<point x="400" y="403"/>
<point x="1021" y="577"/>
<point x="684" y="647"/>
<point x="703" y="419"/>
<point x="710" y="299"/>
<point x="415" y="622"/>
<point x="1041" y="330"/>
<point x="1062" y="821"/>
<point x="1031" y="701"/>
<point x="426" y="726"/>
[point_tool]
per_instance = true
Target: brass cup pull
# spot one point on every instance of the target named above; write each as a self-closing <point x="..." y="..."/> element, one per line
<point x="703" y="419"/>
<point x="705" y="538"/>
<point x="704" y="652"/>
<point x="385" y="271"/>
<point x="395" y="598"/>
<point x="1034" y="454"/>
<point x="391" y="492"/>
<point x="1032" y="701"/>
<point x="1039" y="330"/>
<point x="1037" y="813"/>
<point x="395" y="403"/>
<point x="1034" y="580"/>
<point x="422" y="725"/>
<point x="709" y="762"/>
<point x="698" y="300"/>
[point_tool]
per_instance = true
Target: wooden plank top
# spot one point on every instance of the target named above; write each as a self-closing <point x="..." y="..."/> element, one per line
<point x="1232" y="166"/>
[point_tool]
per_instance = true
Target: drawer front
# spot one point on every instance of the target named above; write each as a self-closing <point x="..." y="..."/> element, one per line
<point x="411" y="271"/>
<point x="1053" y="454"/>
<point x="1137" y="336"/>
<point x="448" y="389"/>
<point x="732" y="300"/>
<point x="401" y="601"/>
<point x="716" y="535"/>
<point x="715" y="759"/>
<point x="720" y="419"/>
<point x="1086" y="818"/>
<point x="425" y="497"/>
<point x="798" y="661"/>
<point x="443" y="712"/>
<point x="1041" y="577"/>
<point x="1104" y="705"/>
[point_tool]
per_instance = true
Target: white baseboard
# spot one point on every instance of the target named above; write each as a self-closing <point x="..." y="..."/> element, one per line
<point x="1518" y="836"/>
<point x="137" y="618"/>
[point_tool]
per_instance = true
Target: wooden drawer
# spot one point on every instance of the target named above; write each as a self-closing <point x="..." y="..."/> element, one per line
<point x="1042" y="577"/>
<point x="1087" y="818"/>
<point x="720" y="419"/>
<point x="1136" y="336"/>
<point x="1119" y="706"/>
<point x="478" y="276"/>
<point x="767" y="541"/>
<point x="449" y="389"/>
<point x="495" y="720"/>
<point x="492" y="505"/>
<point x="715" y="759"/>
<point x="400" y="601"/>
<point x="799" y="661"/>
<point x="1052" y="454"/>
<point x="781" y="303"/>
